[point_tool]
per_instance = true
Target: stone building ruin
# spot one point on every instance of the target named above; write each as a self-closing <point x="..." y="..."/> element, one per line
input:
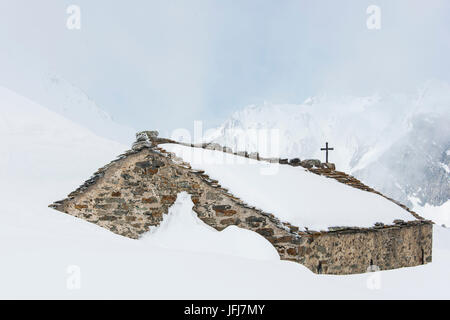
<point x="134" y="192"/>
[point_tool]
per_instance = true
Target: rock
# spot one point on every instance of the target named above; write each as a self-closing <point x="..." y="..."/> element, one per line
<point x="126" y="176"/>
<point x="213" y="146"/>
<point x="273" y="160"/>
<point x="265" y="232"/>
<point x="107" y="218"/>
<point x="120" y="212"/>
<point x="329" y="165"/>
<point x="141" y="136"/>
<point x="337" y="228"/>
<point x="311" y="163"/>
<point x="254" y="155"/>
<point x="140" y="145"/>
<point x="283" y="161"/>
<point x="255" y="221"/>
<point x="242" y="153"/>
<point x="291" y="251"/>
<point x="151" y="134"/>
<point x="149" y="200"/>
<point x="144" y="164"/>
<point x="168" y="199"/>
<point x="195" y="200"/>
<point x="224" y="210"/>
<point x="295" y="162"/>
<point x="228" y="221"/>
<point x="143" y="139"/>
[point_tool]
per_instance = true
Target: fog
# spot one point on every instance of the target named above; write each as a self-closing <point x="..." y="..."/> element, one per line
<point x="164" y="64"/>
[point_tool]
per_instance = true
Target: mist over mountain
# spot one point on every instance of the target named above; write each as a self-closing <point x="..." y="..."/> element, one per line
<point x="66" y="99"/>
<point x="397" y="143"/>
<point x="73" y="103"/>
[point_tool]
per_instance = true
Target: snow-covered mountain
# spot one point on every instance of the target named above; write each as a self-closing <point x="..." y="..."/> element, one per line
<point x="40" y="144"/>
<point x="66" y="99"/>
<point x="398" y="143"/>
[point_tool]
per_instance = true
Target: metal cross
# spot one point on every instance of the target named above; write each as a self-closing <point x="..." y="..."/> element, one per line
<point x="326" y="150"/>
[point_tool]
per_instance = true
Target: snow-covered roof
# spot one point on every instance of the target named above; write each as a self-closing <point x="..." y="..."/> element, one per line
<point x="292" y="194"/>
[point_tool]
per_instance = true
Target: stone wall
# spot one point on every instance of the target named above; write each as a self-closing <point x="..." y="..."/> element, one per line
<point x="354" y="251"/>
<point x="133" y="193"/>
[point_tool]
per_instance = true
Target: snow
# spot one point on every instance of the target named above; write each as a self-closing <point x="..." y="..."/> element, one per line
<point x="182" y="223"/>
<point x="46" y="156"/>
<point x="438" y="214"/>
<point x="292" y="194"/>
<point x="445" y="167"/>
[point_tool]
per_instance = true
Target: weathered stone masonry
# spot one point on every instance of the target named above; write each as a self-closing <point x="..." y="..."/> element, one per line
<point x="133" y="193"/>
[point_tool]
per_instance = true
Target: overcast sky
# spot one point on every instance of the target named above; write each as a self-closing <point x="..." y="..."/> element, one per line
<point x="163" y="64"/>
